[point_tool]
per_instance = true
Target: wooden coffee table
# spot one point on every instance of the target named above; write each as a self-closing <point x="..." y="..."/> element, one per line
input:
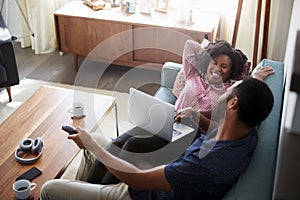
<point x="42" y="115"/>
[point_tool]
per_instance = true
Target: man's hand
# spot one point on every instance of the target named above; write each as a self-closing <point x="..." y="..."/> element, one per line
<point x="83" y="139"/>
<point x="261" y="73"/>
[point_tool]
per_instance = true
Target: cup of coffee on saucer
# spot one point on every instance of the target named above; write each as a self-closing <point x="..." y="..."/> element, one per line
<point x="77" y="111"/>
<point x="23" y="188"/>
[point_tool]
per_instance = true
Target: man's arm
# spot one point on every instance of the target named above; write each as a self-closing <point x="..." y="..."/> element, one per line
<point x="151" y="179"/>
<point x="261" y="73"/>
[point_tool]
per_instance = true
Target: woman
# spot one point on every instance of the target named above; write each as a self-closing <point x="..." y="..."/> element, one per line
<point x="205" y="76"/>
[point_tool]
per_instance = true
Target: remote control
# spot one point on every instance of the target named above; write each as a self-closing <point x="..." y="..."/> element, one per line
<point x="69" y="129"/>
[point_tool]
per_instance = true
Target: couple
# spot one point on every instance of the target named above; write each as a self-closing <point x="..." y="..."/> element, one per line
<point x="192" y="176"/>
<point x="225" y="64"/>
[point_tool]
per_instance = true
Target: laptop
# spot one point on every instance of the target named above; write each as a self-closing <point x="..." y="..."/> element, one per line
<point x="154" y="116"/>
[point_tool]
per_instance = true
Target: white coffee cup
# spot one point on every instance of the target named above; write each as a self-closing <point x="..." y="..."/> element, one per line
<point x="77" y="110"/>
<point x="23" y="188"/>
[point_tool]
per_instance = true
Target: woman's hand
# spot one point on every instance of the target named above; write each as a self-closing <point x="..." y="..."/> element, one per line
<point x="185" y="113"/>
<point x="261" y="73"/>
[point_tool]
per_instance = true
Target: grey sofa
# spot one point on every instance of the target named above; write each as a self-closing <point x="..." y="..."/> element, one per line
<point x="8" y="68"/>
<point x="258" y="180"/>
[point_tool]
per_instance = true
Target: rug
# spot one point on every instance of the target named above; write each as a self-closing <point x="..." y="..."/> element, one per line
<point x="27" y="87"/>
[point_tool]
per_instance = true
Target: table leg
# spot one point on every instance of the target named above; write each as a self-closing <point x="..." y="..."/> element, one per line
<point x="75" y="57"/>
<point x="9" y="94"/>
<point x="117" y="123"/>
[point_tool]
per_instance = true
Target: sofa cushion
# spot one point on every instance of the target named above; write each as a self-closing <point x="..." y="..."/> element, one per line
<point x="165" y="94"/>
<point x="4" y="34"/>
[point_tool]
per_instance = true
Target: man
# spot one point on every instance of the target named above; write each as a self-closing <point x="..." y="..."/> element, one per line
<point x="208" y="168"/>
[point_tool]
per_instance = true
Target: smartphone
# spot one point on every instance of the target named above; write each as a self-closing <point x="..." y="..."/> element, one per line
<point x="30" y="174"/>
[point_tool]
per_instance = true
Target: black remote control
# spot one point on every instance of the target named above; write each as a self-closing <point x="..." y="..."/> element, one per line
<point x="69" y="129"/>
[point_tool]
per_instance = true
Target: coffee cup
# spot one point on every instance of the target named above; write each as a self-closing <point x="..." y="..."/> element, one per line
<point x="23" y="188"/>
<point x="77" y="110"/>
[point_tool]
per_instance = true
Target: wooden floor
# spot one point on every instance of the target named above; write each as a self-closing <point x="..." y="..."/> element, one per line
<point x="55" y="68"/>
<point x="60" y="69"/>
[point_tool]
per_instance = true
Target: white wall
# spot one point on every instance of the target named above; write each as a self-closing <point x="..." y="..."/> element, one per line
<point x="288" y="61"/>
<point x="10" y="12"/>
<point x="278" y="30"/>
<point x="288" y="113"/>
<point x="227" y="9"/>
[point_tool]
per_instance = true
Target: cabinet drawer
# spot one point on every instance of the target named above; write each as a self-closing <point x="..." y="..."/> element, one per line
<point x="96" y="39"/>
<point x="72" y="35"/>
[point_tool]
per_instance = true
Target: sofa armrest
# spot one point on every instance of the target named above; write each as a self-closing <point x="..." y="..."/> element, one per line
<point x="257" y="181"/>
<point x="168" y="75"/>
<point x="3" y="76"/>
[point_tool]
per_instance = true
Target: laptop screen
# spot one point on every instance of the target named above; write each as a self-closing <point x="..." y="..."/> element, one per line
<point x="151" y="114"/>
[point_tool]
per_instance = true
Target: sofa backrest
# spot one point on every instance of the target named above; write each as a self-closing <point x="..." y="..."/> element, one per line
<point x="257" y="181"/>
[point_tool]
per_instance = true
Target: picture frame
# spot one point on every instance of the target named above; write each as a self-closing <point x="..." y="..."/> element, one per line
<point x="145" y="6"/>
<point x="161" y="5"/>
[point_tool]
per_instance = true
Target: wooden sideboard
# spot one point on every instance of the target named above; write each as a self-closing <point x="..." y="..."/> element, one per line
<point x="113" y="36"/>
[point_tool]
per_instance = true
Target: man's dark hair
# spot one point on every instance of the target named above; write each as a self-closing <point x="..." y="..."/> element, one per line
<point x="255" y="101"/>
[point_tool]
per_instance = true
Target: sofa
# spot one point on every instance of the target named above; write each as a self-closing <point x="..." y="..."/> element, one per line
<point x="257" y="181"/>
<point x="8" y="68"/>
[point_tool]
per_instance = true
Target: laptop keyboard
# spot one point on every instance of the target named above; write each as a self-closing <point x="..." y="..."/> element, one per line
<point x="176" y="133"/>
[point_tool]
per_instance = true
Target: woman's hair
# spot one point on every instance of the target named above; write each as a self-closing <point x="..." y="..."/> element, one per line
<point x="255" y="101"/>
<point x="238" y="58"/>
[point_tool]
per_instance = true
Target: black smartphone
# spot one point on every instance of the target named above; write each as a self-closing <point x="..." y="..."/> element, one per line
<point x="30" y="174"/>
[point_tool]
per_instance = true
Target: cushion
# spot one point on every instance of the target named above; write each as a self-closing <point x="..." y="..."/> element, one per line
<point x="4" y="34"/>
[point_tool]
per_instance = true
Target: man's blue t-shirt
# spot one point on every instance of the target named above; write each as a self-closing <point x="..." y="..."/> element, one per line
<point x="207" y="170"/>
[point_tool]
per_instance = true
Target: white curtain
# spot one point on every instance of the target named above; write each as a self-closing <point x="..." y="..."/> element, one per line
<point x="278" y="28"/>
<point x="39" y="15"/>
